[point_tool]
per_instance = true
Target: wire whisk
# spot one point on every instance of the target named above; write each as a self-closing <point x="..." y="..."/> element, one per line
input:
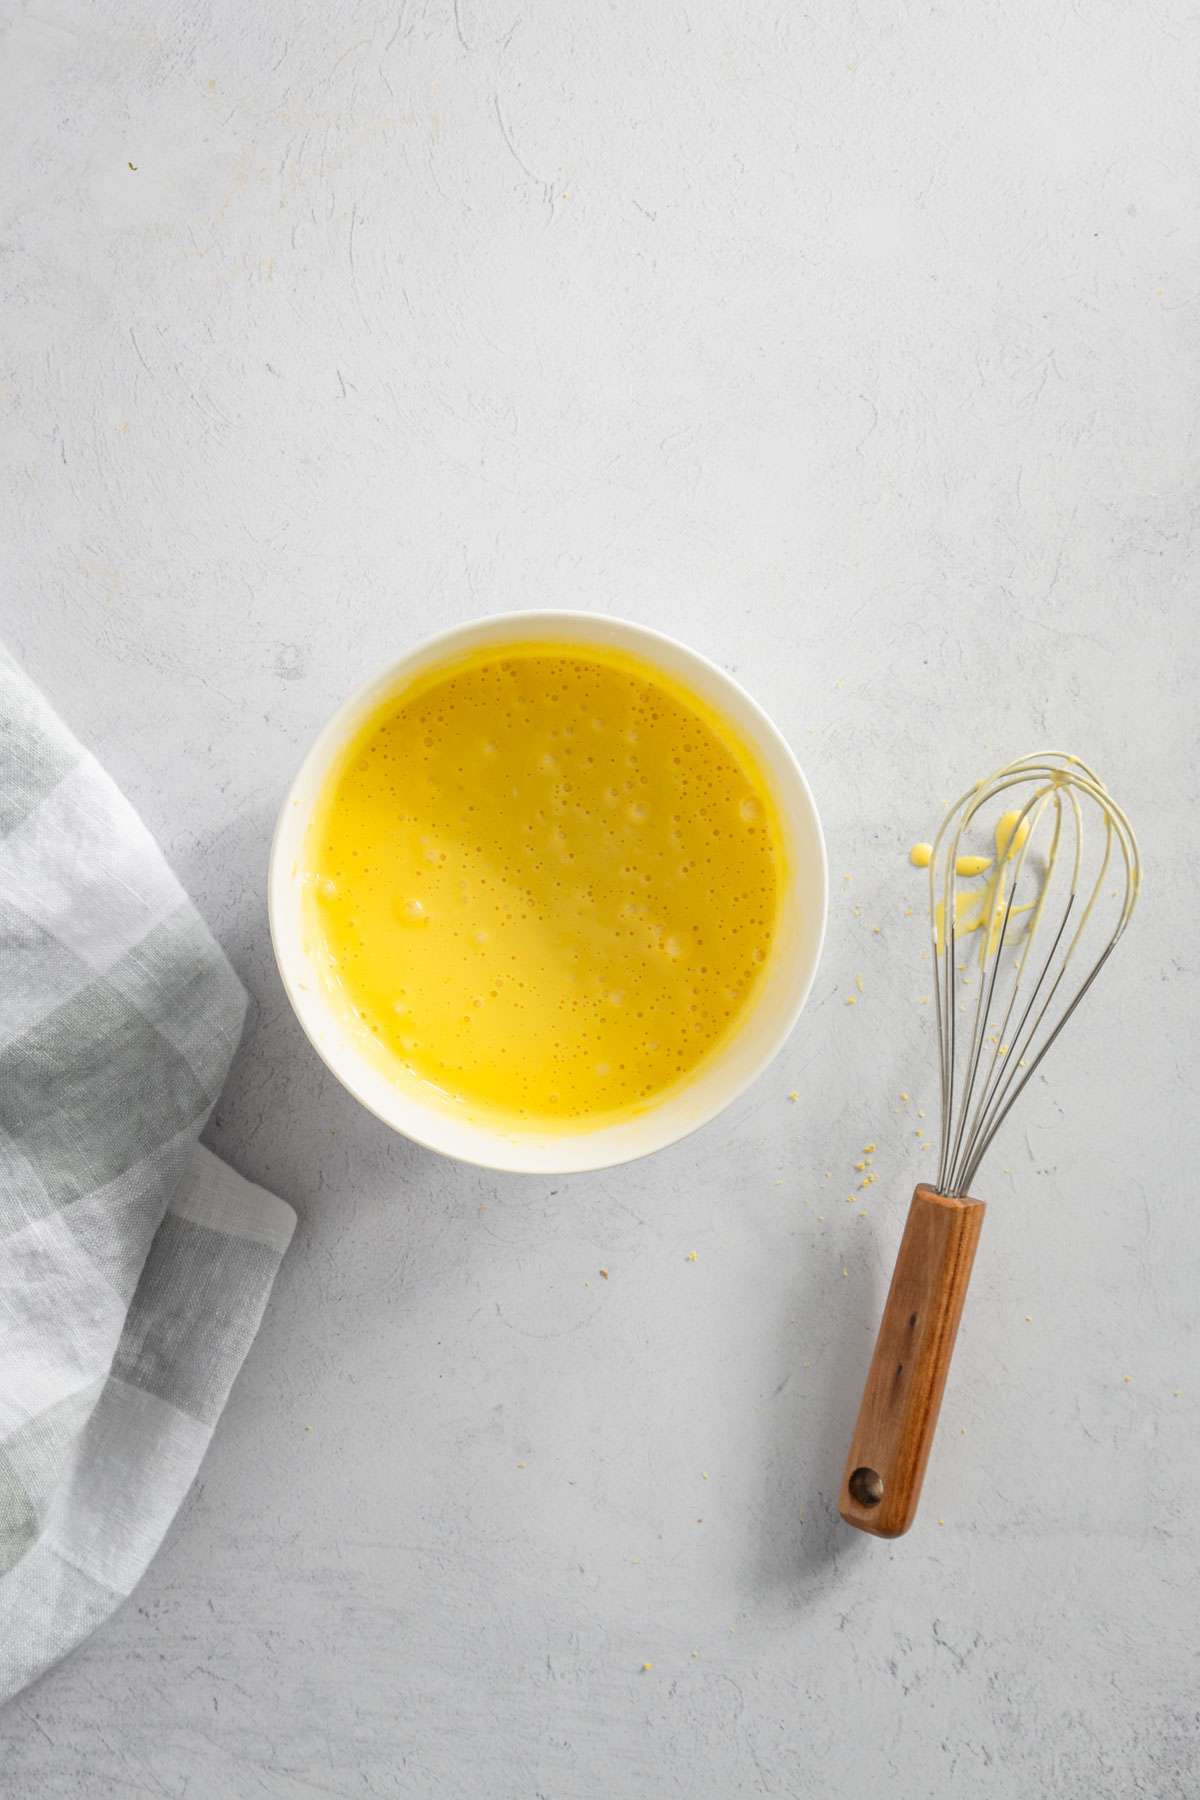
<point x="1039" y="913"/>
<point x="1055" y="901"/>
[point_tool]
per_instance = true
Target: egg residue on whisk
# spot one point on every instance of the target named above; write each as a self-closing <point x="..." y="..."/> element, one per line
<point x="976" y="906"/>
<point x="921" y="854"/>
<point x="1012" y="829"/>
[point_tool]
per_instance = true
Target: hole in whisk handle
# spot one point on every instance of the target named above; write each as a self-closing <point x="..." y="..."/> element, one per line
<point x="866" y="1486"/>
<point x="903" y="1392"/>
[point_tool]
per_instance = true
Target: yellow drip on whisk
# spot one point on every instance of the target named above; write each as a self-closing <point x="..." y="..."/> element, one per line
<point x="1011" y="836"/>
<point x="979" y="906"/>
<point x="1011" y="833"/>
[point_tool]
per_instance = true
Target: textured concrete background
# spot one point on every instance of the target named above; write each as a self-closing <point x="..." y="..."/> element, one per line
<point x="858" y="345"/>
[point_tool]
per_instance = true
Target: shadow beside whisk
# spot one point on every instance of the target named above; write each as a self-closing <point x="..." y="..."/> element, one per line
<point x="825" y="1332"/>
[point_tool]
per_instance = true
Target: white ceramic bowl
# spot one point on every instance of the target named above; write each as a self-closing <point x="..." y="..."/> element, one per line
<point x="781" y="990"/>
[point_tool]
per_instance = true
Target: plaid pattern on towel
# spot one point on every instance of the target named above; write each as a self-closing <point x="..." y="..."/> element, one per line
<point x="134" y="1265"/>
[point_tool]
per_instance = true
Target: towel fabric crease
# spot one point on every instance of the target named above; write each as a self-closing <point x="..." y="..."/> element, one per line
<point x="134" y="1265"/>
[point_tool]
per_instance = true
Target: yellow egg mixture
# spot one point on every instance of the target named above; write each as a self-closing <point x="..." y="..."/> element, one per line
<point x="546" y="880"/>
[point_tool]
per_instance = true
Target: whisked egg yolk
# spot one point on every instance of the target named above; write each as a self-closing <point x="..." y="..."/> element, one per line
<point x="545" y="880"/>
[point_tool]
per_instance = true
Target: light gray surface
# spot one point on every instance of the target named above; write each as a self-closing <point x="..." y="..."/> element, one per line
<point x="858" y="346"/>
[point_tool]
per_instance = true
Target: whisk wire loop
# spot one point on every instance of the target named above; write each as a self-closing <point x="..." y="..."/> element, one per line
<point x="983" y="1072"/>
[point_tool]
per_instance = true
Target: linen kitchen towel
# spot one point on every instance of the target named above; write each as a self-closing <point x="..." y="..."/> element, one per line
<point x="134" y="1265"/>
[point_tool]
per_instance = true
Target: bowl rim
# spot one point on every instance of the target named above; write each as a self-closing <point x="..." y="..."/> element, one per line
<point x="333" y="733"/>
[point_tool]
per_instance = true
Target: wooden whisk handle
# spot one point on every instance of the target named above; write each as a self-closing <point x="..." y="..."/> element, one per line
<point x="903" y="1395"/>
